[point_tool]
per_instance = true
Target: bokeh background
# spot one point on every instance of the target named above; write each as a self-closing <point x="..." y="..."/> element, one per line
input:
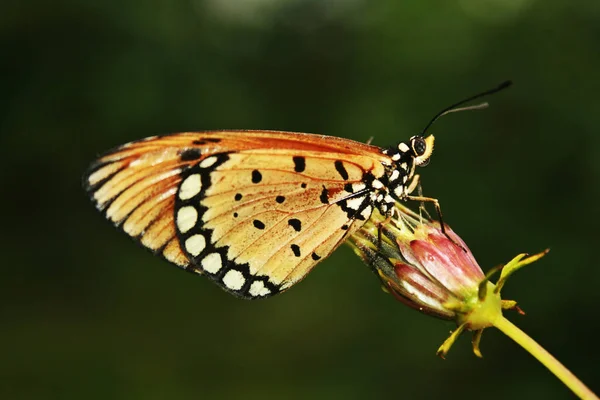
<point x="88" y="314"/>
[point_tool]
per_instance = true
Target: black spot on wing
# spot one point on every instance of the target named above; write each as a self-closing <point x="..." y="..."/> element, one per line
<point x="280" y="199"/>
<point x="324" y="196"/>
<point x="258" y="224"/>
<point x="299" y="164"/>
<point x="296" y="224"/>
<point x="315" y="256"/>
<point x="295" y="249"/>
<point x="339" y="166"/>
<point x="238" y="197"/>
<point x="256" y="176"/>
<point x="202" y="142"/>
<point x="190" y="154"/>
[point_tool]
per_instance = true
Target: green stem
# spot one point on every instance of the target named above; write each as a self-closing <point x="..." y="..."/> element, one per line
<point x="562" y="373"/>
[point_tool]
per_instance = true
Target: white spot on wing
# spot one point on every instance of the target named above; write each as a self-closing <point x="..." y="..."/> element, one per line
<point x="186" y="218"/>
<point x="357" y="187"/>
<point x="208" y="162"/>
<point x="212" y="263"/>
<point x="195" y="244"/>
<point x="234" y="279"/>
<point x="377" y="184"/>
<point x="395" y="175"/>
<point x="190" y="187"/>
<point x="399" y="191"/>
<point x="355" y="202"/>
<point x="366" y="213"/>
<point x="258" y="289"/>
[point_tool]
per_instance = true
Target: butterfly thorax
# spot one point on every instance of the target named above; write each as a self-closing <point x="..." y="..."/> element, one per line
<point x="399" y="175"/>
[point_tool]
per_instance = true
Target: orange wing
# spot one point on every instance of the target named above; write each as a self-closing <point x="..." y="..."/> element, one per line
<point x="253" y="210"/>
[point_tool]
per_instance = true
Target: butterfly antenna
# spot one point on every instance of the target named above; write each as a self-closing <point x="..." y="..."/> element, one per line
<point x="454" y="107"/>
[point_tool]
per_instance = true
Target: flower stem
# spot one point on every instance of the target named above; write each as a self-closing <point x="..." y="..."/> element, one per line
<point x="562" y="373"/>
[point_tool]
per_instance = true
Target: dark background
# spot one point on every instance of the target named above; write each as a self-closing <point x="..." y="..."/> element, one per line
<point x="88" y="314"/>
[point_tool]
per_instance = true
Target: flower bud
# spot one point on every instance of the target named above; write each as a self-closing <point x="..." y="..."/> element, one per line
<point x="432" y="270"/>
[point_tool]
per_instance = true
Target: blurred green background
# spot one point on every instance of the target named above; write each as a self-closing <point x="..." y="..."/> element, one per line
<point x="88" y="314"/>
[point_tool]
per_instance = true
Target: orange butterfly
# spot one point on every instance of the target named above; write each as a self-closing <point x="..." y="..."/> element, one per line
<point x="253" y="210"/>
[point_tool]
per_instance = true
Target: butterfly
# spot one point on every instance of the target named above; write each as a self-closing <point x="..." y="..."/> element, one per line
<point x="253" y="210"/>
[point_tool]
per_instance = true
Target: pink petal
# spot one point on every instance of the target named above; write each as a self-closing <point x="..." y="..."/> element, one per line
<point x="450" y="265"/>
<point x="421" y="293"/>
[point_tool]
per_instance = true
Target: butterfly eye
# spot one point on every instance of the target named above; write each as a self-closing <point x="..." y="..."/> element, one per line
<point x="419" y="146"/>
<point x="422" y="148"/>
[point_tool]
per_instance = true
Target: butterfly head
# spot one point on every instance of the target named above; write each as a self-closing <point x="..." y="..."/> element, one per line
<point x="415" y="151"/>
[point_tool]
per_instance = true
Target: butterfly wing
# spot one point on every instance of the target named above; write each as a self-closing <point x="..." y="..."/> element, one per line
<point x="253" y="210"/>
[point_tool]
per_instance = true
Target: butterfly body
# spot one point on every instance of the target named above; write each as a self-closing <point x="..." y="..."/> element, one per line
<point x="253" y="210"/>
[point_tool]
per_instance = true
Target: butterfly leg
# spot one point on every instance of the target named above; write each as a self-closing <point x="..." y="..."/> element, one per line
<point x="438" y="210"/>
<point x="415" y="183"/>
<point x="422" y="209"/>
